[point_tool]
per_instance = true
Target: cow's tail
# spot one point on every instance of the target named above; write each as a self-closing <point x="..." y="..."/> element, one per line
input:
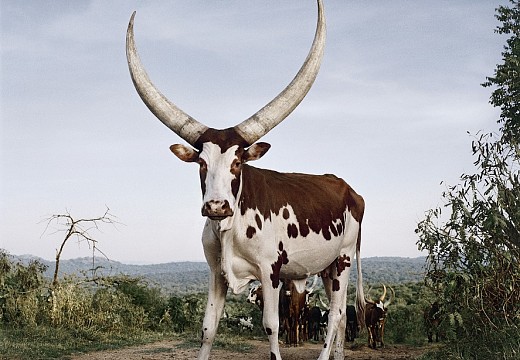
<point x="360" y="294"/>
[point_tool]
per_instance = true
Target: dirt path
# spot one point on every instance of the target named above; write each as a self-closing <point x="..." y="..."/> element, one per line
<point x="309" y="351"/>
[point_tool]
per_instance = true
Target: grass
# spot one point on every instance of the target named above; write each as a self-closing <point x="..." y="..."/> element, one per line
<point x="52" y="343"/>
<point x="45" y="342"/>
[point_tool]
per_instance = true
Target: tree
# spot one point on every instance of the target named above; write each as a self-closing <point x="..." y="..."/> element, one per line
<point x="474" y="249"/>
<point x="506" y="77"/>
<point x="79" y="229"/>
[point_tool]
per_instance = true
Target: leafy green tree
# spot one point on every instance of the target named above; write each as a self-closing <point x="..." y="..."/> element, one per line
<point x="146" y="297"/>
<point x="506" y="77"/>
<point x="474" y="249"/>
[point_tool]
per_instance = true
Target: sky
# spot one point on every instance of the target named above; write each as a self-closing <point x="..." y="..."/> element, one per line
<point x="390" y="111"/>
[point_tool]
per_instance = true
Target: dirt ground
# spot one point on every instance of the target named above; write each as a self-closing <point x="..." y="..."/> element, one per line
<point x="260" y="351"/>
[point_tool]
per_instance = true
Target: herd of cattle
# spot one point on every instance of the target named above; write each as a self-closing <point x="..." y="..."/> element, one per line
<point x="301" y="318"/>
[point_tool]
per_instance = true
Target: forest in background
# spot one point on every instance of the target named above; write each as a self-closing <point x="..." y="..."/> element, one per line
<point x="182" y="278"/>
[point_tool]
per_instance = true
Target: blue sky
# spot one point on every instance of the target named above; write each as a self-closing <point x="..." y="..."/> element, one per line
<point x="398" y="90"/>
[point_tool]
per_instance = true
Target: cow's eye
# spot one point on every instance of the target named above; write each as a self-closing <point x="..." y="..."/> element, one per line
<point x="237" y="164"/>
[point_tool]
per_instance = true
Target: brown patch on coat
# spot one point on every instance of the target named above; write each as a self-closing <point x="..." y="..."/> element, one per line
<point x="292" y="231"/>
<point x="342" y="262"/>
<point x="318" y="201"/>
<point x="335" y="285"/>
<point x="277" y="265"/>
<point x="250" y="232"/>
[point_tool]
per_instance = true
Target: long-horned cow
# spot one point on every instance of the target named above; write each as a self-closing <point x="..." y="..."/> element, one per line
<point x="262" y="224"/>
<point x="375" y="318"/>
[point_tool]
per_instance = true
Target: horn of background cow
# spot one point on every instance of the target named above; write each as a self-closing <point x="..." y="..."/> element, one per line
<point x="170" y="115"/>
<point x="382" y="298"/>
<point x="368" y="298"/>
<point x="281" y="106"/>
<point x="389" y="300"/>
<point x="325" y="306"/>
<point x="310" y="289"/>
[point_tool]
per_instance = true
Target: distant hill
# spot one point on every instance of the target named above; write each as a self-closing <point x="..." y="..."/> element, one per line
<point x="189" y="277"/>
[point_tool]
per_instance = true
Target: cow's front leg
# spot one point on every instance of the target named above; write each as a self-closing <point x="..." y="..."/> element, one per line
<point x="271" y="319"/>
<point x="217" y="288"/>
<point x="215" y="306"/>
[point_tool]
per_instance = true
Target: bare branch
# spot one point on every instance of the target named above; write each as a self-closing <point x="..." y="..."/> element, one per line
<point x="80" y="229"/>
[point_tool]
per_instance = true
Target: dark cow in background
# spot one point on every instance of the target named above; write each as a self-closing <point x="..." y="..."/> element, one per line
<point x="318" y="320"/>
<point x="315" y="314"/>
<point x="352" y="324"/>
<point x="432" y="321"/>
<point x="375" y="317"/>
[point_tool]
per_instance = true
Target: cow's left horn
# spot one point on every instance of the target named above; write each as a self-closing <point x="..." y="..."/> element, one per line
<point x="170" y="115"/>
<point x="281" y="106"/>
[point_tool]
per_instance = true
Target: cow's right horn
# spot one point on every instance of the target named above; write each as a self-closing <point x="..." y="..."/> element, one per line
<point x="170" y="115"/>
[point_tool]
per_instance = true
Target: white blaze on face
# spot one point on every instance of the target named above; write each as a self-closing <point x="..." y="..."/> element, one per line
<point x="219" y="178"/>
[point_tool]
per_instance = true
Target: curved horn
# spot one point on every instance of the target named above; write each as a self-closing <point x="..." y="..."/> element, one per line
<point x="325" y="306"/>
<point x="382" y="298"/>
<point x="170" y="115"/>
<point x="368" y="298"/>
<point x="281" y="106"/>
<point x="310" y="289"/>
<point x="391" y="298"/>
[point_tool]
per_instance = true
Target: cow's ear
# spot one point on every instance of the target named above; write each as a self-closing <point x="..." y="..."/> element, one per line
<point x="256" y="151"/>
<point x="184" y="153"/>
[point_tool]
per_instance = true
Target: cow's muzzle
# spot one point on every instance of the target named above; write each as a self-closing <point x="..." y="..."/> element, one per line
<point x="217" y="209"/>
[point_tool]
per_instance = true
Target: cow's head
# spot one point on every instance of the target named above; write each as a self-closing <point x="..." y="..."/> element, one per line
<point x="221" y="153"/>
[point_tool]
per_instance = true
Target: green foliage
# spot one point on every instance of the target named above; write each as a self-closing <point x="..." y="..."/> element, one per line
<point x="405" y="325"/>
<point x="147" y="298"/>
<point x="20" y="291"/>
<point x="474" y="250"/>
<point x="507" y="92"/>
<point x="74" y="312"/>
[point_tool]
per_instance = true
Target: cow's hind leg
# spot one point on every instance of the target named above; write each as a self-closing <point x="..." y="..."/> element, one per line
<point x="335" y="283"/>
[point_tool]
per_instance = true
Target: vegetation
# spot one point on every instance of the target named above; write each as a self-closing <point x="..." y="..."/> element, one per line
<point x="474" y="251"/>
<point x="184" y="278"/>
<point x="92" y="312"/>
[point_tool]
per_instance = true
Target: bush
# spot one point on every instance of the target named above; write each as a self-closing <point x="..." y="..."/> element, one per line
<point x="21" y="289"/>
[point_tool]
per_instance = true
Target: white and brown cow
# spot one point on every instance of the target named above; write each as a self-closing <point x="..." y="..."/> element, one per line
<point x="262" y="224"/>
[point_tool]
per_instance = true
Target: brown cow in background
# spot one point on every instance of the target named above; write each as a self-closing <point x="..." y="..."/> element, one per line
<point x="293" y="309"/>
<point x="375" y="318"/>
